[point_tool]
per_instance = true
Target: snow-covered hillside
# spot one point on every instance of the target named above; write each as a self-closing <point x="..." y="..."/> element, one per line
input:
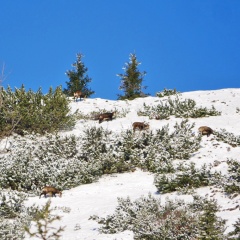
<point x="100" y="198"/>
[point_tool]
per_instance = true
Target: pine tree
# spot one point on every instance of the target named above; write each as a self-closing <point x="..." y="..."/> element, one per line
<point x="78" y="78"/>
<point x="210" y="226"/>
<point x="131" y="80"/>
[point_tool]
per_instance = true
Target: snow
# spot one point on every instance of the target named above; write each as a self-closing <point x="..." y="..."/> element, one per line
<point x="100" y="198"/>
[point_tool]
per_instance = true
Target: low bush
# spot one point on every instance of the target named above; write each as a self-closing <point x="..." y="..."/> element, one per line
<point x="227" y="137"/>
<point x="190" y="177"/>
<point x="167" y="92"/>
<point x="177" y="108"/>
<point x="234" y="235"/>
<point x="13" y="214"/>
<point x="231" y="183"/>
<point x="149" y="219"/>
<point x="22" y="111"/>
<point x="66" y="162"/>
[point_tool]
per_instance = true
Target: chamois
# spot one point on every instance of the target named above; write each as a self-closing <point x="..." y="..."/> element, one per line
<point x="78" y="94"/>
<point x="204" y="130"/>
<point x="52" y="190"/>
<point x="140" y="126"/>
<point x="105" y="116"/>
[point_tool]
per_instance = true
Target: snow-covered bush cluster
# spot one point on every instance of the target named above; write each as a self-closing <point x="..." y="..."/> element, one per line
<point x="227" y="137"/>
<point x="149" y="219"/>
<point x="180" y="109"/>
<point x="34" y="162"/>
<point x="189" y="177"/>
<point x="167" y="92"/>
<point x="14" y="216"/>
<point x="66" y="162"/>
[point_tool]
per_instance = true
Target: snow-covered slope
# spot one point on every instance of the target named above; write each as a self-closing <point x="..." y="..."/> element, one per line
<point x="100" y="198"/>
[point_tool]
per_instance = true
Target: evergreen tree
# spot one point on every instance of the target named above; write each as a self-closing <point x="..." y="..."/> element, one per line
<point x="210" y="226"/>
<point x="78" y="78"/>
<point x="131" y="80"/>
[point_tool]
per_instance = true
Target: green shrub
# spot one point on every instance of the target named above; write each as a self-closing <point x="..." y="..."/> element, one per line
<point x="167" y="92"/>
<point x="23" y="111"/>
<point x="209" y="225"/>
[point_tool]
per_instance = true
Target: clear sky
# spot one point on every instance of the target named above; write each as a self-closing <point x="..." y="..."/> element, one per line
<point x="184" y="44"/>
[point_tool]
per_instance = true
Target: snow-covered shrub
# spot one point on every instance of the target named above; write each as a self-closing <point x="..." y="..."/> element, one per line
<point x="149" y="219"/>
<point x="155" y="152"/>
<point x="160" y="111"/>
<point x="12" y="229"/>
<point x="231" y="183"/>
<point x="167" y="92"/>
<point x="189" y="177"/>
<point x="166" y="147"/>
<point x="210" y="226"/>
<point x="78" y="115"/>
<point x="101" y="147"/>
<point x="234" y="235"/>
<point x="188" y="109"/>
<point x="11" y="203"/>
<point x="51" y="160"/>
<point x="227" y="137"/>
<point x="65" y="162"/>
<point x="177" y="108"/>
<point x="14" y="216"/>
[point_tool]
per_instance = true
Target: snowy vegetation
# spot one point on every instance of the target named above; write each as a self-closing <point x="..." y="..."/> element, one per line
<point x="68" y="158"/>
<point x="61" y="161"/>
<point x="177" y="108"/>
<point x="149" y="219"/>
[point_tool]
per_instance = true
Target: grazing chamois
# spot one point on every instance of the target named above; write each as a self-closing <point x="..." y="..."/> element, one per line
<point x="204" y="130"/>
<point x="140" y="126"/>
<point x="52" y="190"/>
<point x="105" y="116"/>
<point x="78" y="94"/>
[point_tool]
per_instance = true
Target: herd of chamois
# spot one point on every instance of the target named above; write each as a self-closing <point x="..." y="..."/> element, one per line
<point x="108" y="116"/>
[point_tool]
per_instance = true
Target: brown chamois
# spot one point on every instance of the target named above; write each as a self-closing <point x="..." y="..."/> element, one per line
<point x="106" y="116"/>
<point x="204" y="130"/>
<point x="78" y="94"/>
<point x="52" y="190"/>
<point x="140" y="126"/>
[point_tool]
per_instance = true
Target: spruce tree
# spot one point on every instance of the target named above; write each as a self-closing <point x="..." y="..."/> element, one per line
<point x="210" y="226"/>
<point x="131" y="80"/>
<point x="78" y="78"/>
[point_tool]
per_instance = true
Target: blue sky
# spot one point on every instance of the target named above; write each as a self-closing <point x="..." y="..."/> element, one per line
<point x="184" y="44"/>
